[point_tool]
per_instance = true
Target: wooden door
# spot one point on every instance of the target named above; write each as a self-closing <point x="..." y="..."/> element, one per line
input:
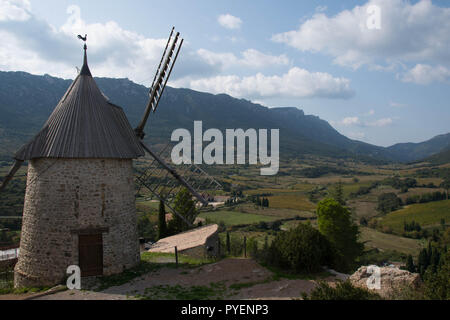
<point x="91" y="254"/>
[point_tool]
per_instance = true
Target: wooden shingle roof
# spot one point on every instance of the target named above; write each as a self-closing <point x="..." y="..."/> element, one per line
<point x="84" y="124"/>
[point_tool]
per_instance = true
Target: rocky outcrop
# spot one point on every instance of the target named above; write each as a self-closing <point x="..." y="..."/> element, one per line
<point x="392" y="280"/>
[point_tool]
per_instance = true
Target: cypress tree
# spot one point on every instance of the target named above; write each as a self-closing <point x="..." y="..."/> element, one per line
<point x="162" y="227"/>
<point x="410" y="264"/>
<point x="228" y="242"/>
<point x="338" y="193"/>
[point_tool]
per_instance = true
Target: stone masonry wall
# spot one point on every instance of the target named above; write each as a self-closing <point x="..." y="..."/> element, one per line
<point x="201" y="251"/>
<point x="66" y="197"/>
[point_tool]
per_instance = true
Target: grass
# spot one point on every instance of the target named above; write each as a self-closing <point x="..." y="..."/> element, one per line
<point x="177" y="292"/>
<point x="8" y="288"/>
<point x="387" y="242"/>
<point x="353" y="187"/>
<point x="426" y="214"/>
<point x="147" y="205"/>
<point x="291" y="201"/>
<point x="267" y="191"/>
<point x="231" y="218"/>
<point x="279" y="213"/>
<point x="435" y="181"/>
<point x="184" y="260"/>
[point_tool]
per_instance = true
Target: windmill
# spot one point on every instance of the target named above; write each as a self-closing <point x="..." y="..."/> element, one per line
<point x="161" y="179"/>
<point x="79" y="206"/>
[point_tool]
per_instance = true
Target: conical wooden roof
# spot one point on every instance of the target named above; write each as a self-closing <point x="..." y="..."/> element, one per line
<point x="84" y="124"/>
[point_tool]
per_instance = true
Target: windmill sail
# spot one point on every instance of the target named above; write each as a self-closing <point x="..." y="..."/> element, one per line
<point x="162" y="75"/>
<point x="161" y="179"/>
<point x="164" y="182"/>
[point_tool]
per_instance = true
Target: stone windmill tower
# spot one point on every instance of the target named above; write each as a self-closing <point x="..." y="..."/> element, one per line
<point x="79" y="205"/>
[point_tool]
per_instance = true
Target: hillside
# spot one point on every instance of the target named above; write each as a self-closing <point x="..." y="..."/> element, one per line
<point x="27" y="100"/>
<point x="426" y="214"/>
<point x="439" y="158"/>
<point x="406" y="152"/>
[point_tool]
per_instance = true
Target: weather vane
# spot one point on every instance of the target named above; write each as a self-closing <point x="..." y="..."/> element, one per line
<point x="84" y="39"/>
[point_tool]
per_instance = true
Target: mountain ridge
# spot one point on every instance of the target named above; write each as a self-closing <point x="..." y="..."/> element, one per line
<point x="27" y="100"/>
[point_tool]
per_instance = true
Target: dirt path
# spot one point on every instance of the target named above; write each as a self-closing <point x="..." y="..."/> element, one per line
<point x="250" y="280"/>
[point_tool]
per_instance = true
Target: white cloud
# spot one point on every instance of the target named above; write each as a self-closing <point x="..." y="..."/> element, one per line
<point x="410" y="32"/>
<point x="350" y="121"/>
<point x="426" y="74"/>
<point x="37" y="47"/>
<point x="14" y="10"/>
<point x="321" y="8"/>
<point x="250" y="58"/>
<point x="356" y="121"/>
<point x="228" y="21"/>
<point x="380" y="123"/>
<point x="297" y="82"/>
<point x="371" y="112"/>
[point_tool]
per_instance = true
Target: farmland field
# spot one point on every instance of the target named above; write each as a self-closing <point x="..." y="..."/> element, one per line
<point x="231" y="218"/>
<point x="426" y="214"/>
<point x="291" y="201"/>
<point x="148" y="206"/>
<point x="383" y="241"/>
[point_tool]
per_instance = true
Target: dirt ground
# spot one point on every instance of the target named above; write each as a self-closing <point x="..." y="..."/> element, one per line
<point x="257" y="280"/>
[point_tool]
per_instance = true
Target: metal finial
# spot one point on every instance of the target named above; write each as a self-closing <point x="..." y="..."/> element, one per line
<point x="85" y="68"/>
<point x="84" y="39"/>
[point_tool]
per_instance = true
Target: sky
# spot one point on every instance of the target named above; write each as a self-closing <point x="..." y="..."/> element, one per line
<point x="377" y="70"/>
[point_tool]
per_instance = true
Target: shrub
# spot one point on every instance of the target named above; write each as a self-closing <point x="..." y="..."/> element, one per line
<point x="363" y="221"/>
<point x="252" y="247"/>
<point x="342" y="291"/>
<point x="302" y="249"/>
<point x="388" y="202"/>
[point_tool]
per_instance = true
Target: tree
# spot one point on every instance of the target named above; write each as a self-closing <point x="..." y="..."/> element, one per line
<point x="162" y="226"/>
<point x="301" y="249"/>
<point x="363" y="221"/>
<point x="446" y="185"/>
<point x="146" y="229"/>
<point x="338" y="193"/>
<point x="228" y="242"/>
<point x="410" y="264"/>
<point x="185" y="206"/>
<point x="437" y="283"/>
<point x="388" y="202"/>
<point x="336" y="225"/>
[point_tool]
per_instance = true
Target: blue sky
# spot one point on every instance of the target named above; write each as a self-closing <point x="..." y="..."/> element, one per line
<point x="383" y="86"/>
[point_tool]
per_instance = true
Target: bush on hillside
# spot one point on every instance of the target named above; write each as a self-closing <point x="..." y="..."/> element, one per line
<point x="301" y="249"/>
<point x="342" y="291"/>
